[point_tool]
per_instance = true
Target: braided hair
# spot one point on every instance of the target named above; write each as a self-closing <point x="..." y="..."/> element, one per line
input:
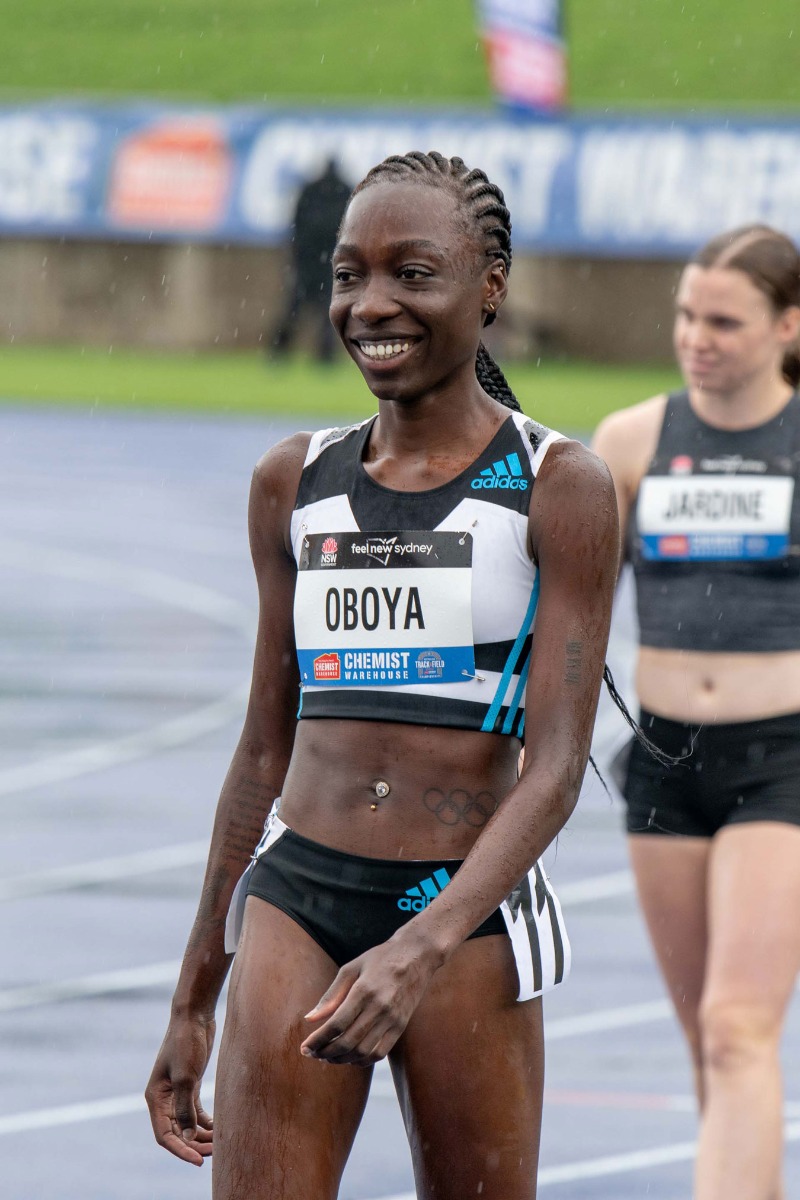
<point x="485" y="206"/>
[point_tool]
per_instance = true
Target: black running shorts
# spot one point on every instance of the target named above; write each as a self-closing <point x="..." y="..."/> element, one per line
<point x="726" y="775"/>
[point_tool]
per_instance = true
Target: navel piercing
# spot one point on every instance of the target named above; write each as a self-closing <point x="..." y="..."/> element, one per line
<point x="382" y="789"/>
<point x="374" y="807"/>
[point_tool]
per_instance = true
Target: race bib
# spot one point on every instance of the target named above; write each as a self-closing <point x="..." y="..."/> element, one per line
<point x="734" y="517"/>
<point x="384" y="608"/>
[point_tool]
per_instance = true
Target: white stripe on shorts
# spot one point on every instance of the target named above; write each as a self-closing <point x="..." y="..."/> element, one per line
<point x="538" y="934"/>
<point x="274" y="829"/>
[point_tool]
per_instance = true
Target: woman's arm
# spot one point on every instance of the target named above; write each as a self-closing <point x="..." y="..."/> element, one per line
<point x="626" y="441"/>
<point x="574" y="538"/>
<point x="254" y="780"/>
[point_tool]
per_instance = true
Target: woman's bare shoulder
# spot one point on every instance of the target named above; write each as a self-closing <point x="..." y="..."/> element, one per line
<point x="627" y="439"/>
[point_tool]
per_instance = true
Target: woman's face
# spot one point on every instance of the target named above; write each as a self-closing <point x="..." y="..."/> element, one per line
<point x="727" y="333"/>
<point x="411" y="289"/>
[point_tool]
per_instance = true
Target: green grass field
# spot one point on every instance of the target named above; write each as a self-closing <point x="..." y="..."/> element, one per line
<point x="568" y="396"/>
<point x="623" y="53"/>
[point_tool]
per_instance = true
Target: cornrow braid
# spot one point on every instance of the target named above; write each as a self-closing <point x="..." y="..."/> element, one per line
<point x="492" y="379"/>
<point x="486" y="206"/>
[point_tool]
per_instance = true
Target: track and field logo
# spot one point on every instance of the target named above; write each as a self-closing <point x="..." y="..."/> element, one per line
<point x="327" y="666"/>
<point x="430" y="665"/>
<point x="506" y="474"/>
<point x="681" y="464"/>
<point x="328" y="552"/>
<point x="419" y="897"/>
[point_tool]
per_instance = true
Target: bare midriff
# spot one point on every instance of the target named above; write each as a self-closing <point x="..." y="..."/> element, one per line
<point x="706" y="688"/>
<point x="443" y="787"/>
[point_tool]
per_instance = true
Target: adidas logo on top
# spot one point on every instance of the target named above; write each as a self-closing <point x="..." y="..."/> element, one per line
<point x="417" y="898"/>
<point x="506" y="473"/>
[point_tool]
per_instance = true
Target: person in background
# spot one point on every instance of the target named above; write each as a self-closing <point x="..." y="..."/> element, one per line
<point x="707" y="487"/>
<point x="317" y="214"/>
<point x="436" y="586"/>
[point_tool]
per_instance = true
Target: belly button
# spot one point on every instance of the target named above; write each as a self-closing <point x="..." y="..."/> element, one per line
<point x="708" y="685"/>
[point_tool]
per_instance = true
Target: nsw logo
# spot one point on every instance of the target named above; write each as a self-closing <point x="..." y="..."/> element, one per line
<point x="329" y="550"/>
<point x="419" y="897"/>
<point x="506" y="473"/>
<point x="430" y="665"/>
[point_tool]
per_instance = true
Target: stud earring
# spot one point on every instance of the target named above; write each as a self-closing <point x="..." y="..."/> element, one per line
<point x="490" y="307"/>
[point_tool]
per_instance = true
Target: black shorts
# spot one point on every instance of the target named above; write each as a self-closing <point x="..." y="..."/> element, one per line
<point x="348" y="903"/>
<point x="727" y="774"/>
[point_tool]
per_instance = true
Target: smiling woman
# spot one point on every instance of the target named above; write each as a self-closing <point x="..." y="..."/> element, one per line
<point x="435" y="588"/>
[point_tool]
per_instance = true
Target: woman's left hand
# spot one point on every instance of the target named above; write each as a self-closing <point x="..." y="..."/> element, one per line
<point x="371" y="1001"/>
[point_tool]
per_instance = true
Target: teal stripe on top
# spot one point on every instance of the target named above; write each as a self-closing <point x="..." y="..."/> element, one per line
<point x="508" y="669"/>
<point x="515" y="703"/>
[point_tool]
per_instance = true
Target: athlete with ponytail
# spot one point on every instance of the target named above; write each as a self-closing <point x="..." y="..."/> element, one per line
<point x="435" y="588"/>
<point x="707" y="484"/>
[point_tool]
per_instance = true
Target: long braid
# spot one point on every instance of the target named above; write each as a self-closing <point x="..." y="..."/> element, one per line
<point x="492" y="379"/>
<point x="485" y="203"/>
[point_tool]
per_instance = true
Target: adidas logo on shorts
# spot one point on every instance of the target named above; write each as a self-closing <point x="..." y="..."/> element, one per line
<point x="506" y="473"/>
<point x="417" y="898"/>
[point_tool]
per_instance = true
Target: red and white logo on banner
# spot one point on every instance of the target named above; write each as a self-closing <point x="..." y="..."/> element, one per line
<point x="175" y="174"/>
<point x="526" y="69"/>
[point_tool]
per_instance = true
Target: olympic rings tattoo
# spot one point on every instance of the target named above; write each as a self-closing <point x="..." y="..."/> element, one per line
<point x="459" y="805"/>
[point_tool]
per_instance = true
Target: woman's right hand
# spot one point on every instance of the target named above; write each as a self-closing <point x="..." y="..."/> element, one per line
<point x="180" y="1123"/>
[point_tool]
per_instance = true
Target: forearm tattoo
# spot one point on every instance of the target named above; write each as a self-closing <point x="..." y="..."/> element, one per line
<point x="573" y="662"/>
<point x="460" y="807"/>
<point x="254" y="802"/>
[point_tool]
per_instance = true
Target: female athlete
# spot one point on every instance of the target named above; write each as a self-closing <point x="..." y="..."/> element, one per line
<point x="433" y="583"/>
<point x="707" y="485"/>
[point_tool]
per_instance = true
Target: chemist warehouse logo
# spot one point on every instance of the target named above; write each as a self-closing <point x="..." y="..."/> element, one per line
<point x="506" y="474"/>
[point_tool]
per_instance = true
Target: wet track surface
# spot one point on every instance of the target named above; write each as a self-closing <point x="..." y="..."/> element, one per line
<point x="126" y="620"/>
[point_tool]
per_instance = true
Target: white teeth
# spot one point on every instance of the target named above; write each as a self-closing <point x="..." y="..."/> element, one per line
<point x="383" y="349"/>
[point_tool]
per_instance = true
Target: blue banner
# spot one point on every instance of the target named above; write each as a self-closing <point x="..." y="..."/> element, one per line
<point x="634" y="186"/>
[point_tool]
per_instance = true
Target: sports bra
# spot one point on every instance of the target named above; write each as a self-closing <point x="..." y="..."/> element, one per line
<point x="417" y="606"/>
<point x="714" y="535"/>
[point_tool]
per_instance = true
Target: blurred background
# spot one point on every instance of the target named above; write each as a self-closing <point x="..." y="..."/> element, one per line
<point x="151" y="156"/>
<point x="158" y="331"/>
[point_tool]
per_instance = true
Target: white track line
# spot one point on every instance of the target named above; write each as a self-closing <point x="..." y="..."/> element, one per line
<point x="618" y="1164"/>
<point x="155" y="585"/>
<point x="598" y="887"/>
<point x="104" y="870"/>
<point x="105" y="983"/>
<point x="607" y="1018"/>
<point x="166" y="736"/>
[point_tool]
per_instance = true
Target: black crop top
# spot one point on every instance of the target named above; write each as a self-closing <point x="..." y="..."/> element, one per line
<point x="714" y="535"/>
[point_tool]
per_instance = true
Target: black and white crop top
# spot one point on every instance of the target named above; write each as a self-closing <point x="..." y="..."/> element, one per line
<point x="714" y="536"/>
<point x="417" y="606"/>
